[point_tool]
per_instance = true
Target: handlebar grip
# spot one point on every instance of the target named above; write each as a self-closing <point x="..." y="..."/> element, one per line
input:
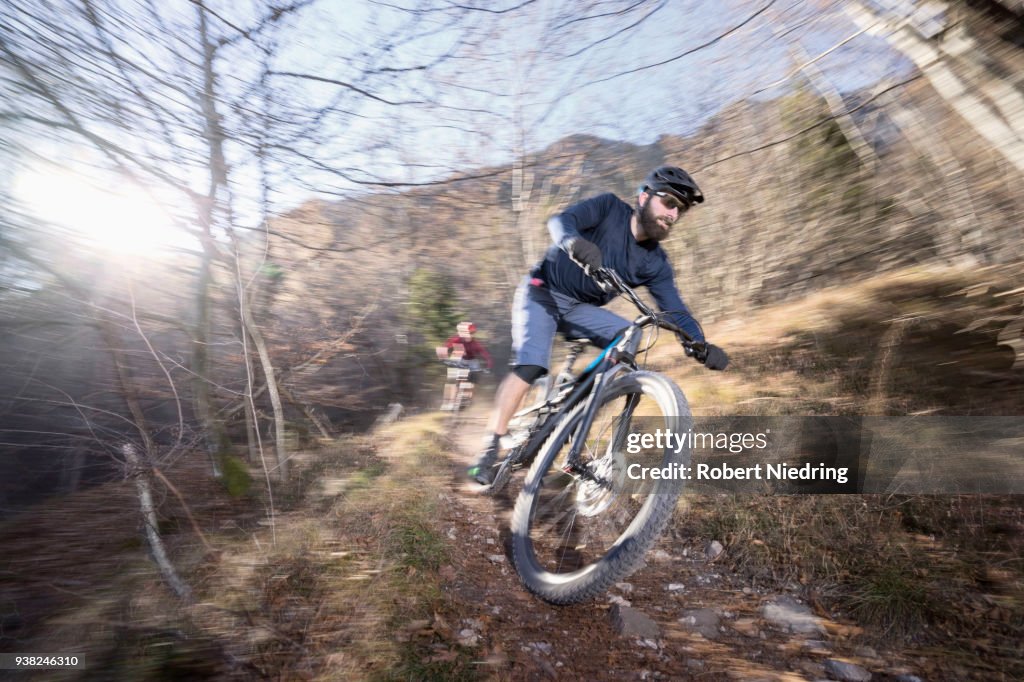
<point x="698" y="350"/>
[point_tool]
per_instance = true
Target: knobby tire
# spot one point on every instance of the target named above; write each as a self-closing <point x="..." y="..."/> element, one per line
<point x="573" y="539"/>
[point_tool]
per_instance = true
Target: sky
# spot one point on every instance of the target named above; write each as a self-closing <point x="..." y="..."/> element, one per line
<point x="512" y="79"/>
<point x="542" y="76"/>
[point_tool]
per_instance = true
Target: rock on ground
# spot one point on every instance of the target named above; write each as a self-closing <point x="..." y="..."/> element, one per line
<point x="848" y="672"/>
<point x="629" y="622"/>
<point x="704" y="621"/>
<point x="792" y="616"/>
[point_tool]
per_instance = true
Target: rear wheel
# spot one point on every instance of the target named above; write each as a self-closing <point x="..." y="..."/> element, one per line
<point x="575" y="533"/>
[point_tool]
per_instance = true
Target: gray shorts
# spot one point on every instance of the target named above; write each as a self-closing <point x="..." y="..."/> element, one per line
<point x="538" y="313"/>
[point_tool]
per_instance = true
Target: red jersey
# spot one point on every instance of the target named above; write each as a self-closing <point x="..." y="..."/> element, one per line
<point x="472" y="349"/>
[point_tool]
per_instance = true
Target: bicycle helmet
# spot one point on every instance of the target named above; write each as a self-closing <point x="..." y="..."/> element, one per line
<point x="674" y="180"/>
<point x="468" y="326"/>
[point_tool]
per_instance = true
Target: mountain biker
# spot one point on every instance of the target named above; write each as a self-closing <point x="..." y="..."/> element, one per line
<point x="559" y="295"/>
<point x="470" y="353"/>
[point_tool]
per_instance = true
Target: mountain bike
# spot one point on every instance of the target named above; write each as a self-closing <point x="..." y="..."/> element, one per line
<point x="461" y="373"/>
<point x="582" y="520"/>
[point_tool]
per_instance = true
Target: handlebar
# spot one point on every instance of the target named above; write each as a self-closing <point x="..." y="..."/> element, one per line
<point x="609" y="280"/>
<point x="462" y="364"/>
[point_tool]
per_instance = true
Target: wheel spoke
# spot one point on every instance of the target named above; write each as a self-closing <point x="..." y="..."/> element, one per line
<point x="585" y="510"/>
<point x="565" y="522"/>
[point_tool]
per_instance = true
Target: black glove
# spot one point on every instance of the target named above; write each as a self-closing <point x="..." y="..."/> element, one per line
<point x="711" y="356"/>
<point x="585" y="254"/>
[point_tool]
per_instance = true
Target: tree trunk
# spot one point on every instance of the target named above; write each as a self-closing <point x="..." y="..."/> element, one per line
<point x="306" y="410"/>
<point x="212" y="428"/>
<point x="250" y="434"/>
<point x="140" y="466"/>
<point x="140" y="473"/>
<point x="250" y="328"/>
<point x="219" y="197"/>
<point x="996" y="117"/>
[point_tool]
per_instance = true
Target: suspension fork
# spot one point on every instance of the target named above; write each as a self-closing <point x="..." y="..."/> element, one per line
<point x="622" y="428"/>
<point x="575" y="350"/>
<point x="601" y="379"/>
<point x="555" y="381"/>
<point x="620" y="359"/>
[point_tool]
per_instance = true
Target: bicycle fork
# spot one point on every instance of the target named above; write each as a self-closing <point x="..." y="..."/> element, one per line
<point x="624" y="350"/>
<point x="573" y="465"/>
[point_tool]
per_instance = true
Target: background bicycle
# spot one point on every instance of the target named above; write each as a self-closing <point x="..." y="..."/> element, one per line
<point x="461" y="381"/>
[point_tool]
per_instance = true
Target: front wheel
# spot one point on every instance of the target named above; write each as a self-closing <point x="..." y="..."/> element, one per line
<point x="576" y="531"/>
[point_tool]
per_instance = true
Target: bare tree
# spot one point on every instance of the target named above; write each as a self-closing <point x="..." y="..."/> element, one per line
<point x="179" y="113"/>
<point x="961" y="67"/>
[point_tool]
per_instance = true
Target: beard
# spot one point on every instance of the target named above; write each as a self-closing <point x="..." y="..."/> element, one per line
<point x="654" y="228"/>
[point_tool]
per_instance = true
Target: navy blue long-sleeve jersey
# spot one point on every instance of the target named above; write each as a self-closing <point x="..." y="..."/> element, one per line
<point x="605" y="220"/>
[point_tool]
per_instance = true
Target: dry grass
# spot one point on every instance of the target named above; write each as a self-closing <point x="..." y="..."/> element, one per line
<point x="917" y="572"/>
<point x="332" y="595"/>
<point x="354" y="566"/>
<point x="350" y="589"/>
<point x="916" y="341"/>
<point x="939" y="574"/>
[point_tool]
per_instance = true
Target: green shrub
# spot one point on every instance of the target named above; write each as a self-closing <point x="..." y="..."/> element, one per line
<point x="236" y="479"/>
<point x="432" y="305"/>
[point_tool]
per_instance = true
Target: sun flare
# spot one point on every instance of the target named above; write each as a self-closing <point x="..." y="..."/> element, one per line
<point x="117" y="216"/>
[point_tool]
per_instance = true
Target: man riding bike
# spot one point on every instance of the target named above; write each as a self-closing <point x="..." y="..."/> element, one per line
<point x="559" y="295"/>
<point x="469" y="356"/>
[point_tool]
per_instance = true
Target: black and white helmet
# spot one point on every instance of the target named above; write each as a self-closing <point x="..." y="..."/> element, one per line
<point x="674" y="180"/>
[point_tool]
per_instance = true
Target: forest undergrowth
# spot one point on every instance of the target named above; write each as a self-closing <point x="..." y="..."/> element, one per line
<point x="344" y="581"/>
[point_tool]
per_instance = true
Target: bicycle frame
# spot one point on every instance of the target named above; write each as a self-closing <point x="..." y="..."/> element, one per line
<point x="587" y="386"/>
<point x="576" y="527"/>
<point x="618" y="356"/>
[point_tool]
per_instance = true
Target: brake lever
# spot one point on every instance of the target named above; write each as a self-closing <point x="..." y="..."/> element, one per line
<point x="602" y="278"/>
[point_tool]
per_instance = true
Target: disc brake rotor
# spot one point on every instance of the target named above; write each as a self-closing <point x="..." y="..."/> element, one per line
<point x="594" y="496"/>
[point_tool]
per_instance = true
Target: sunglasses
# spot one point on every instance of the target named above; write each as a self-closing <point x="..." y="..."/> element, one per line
<point x="672" y="201"/>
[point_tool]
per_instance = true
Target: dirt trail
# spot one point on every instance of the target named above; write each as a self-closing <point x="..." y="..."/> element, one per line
<point x="680" y="589"/>
<point x="710" y="623"/>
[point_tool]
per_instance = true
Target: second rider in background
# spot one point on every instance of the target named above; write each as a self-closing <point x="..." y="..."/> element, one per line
<point x="470" y="355"/>
<point x="559" y="294"/>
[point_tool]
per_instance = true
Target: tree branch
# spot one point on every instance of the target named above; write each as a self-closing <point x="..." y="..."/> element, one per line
<point x="332" y="81"/>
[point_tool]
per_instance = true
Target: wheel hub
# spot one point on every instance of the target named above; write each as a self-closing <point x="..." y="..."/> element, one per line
<point x="599" y="489"/>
